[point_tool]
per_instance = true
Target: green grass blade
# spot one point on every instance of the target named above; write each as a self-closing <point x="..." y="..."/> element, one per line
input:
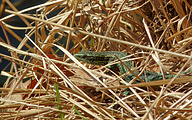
<point x="59" y="101"/>
<point x="78" y="113"/>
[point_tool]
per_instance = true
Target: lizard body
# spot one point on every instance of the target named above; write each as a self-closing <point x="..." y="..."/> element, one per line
<point x="103" y="58"/>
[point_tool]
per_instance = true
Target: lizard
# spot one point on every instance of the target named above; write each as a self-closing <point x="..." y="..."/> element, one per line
<point x="103" y="58"/>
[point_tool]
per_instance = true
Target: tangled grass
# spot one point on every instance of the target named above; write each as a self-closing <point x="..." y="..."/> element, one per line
<point x="155" y="34"/>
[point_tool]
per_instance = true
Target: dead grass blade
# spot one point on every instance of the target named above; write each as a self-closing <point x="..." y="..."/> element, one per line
<point x="46" y="81"/>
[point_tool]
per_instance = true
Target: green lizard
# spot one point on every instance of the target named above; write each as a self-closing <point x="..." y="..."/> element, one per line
<point x="103" y="58"/>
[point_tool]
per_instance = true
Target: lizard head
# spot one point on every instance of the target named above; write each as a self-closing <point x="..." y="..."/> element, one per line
<point x="81" y="56"/>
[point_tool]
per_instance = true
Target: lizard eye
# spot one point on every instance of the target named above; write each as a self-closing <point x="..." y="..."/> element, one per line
<point x="83" y="56"/>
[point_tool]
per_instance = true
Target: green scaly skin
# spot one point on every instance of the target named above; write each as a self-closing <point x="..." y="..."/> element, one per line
<point x="103" y="58"/>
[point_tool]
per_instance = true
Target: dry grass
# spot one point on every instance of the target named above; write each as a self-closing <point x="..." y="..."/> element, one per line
<point x="155" y="34"/>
